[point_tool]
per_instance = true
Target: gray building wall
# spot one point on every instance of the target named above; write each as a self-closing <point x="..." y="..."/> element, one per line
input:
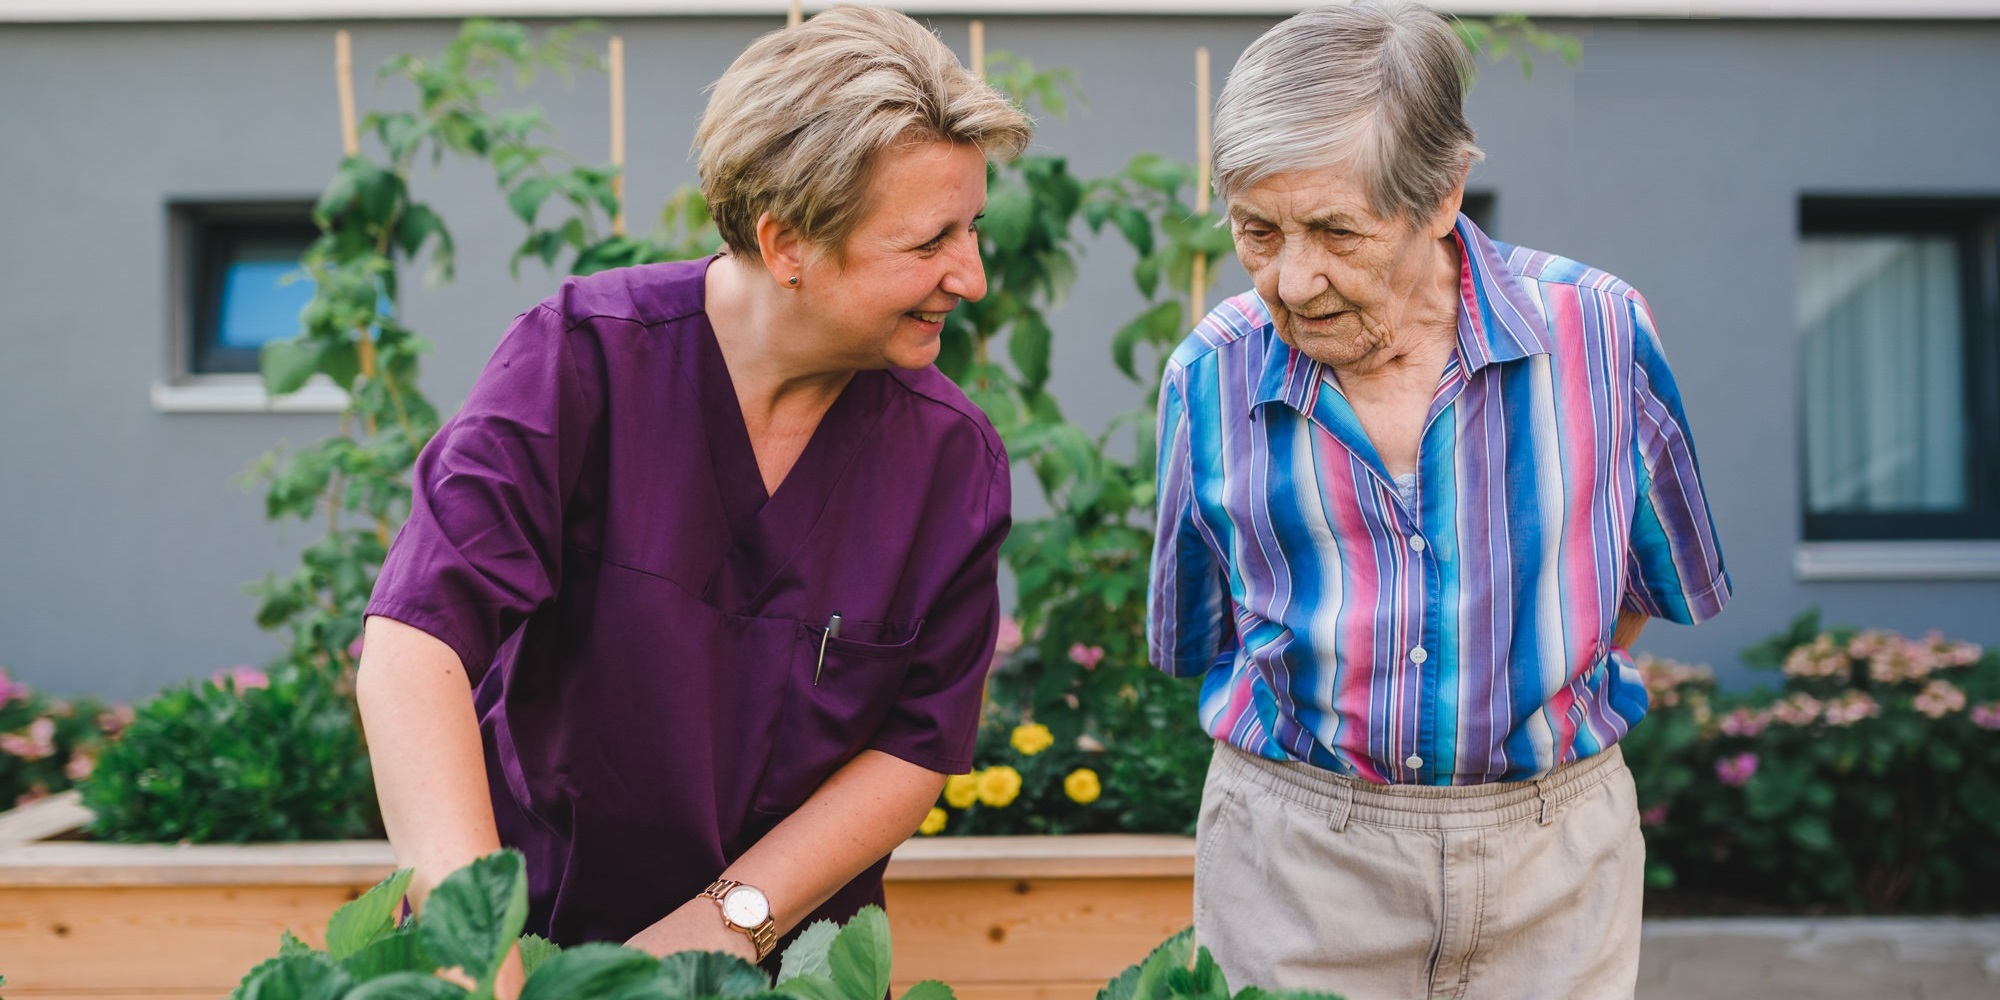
<point x="1674" y="156"/>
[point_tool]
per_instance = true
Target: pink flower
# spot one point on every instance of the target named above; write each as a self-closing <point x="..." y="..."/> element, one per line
<point x="1664" y="679"/>
<point x="1821" y="658"/>
<point x="1653" y="815"/>
<point x="1800" y="709"/>
<point x="1745" y="722"/>
<point x="1086" y="657"/>
<point x="354" y="649"/>
<point x="1734" y="771"/>
<point x="11" y="689"/>
<point x="34" y="743"/>
<point x="1852" y="707"/>
<point x="79" y="767"/>
<point x="244" y="676"/>
<point x="1986" y="716"/>
<point x="1939" y="699"/>
<point x="1009" y="638"/>
<point x="114" y="719"/>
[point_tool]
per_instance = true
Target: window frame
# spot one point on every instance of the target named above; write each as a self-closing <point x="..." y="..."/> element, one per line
<point x="1975" y="224"/>
<point x="203" y="232"/>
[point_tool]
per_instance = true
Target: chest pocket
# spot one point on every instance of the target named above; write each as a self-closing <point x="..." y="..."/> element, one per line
<point x="832" y="706"/>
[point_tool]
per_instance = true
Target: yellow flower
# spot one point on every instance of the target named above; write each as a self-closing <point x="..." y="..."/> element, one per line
<point x="961" y="790"/>
<point x="999" y="785"/>
<point x="1082" y="787"/>
<point x="1032" y="738"/>
<point x="933" y="822"/>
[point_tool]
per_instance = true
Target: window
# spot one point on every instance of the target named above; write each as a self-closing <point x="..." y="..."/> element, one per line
<point x="1900" y="369"/>
<point x="239" y="284"/>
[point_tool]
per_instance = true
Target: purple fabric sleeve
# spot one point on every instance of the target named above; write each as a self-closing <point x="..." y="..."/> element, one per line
<point x="482" y="548"/>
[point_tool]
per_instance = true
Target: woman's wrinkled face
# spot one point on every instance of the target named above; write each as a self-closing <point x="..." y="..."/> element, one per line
<point x="911" y="259"/>
<point x="1339" y="279"/>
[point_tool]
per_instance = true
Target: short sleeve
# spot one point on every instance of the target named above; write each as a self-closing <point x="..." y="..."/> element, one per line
<point x="1187" y="627"/>
<point x="935" y="721"/>
<point x="1674" y="565"/>
<point x="482" y="548"/>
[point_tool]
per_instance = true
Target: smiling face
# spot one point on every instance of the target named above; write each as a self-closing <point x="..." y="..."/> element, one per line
<point x="914" y="256"/>
<point x="1342" y="283"/>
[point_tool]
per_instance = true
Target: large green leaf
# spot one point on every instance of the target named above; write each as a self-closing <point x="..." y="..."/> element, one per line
<point x="1028" y="343"/>
<point x="362" y="921"/>
<point x="700" y="974"/>
<point x="407" y="986"/>
<point x="807" y="954"/>
<point x="861" y="955"/>
<point x="590" y="971"/>
<point x="929" y="989"/>
<point x="400" y="950"/>
<point x="527" y="197"/>
<point x="535" y="951"/>
<point x="309" y="976"/>
<point x="287" y="364"/>
<point x="1147" y="979"/>
<point x="474" y="915"/>
<point x="1010" y="211"/>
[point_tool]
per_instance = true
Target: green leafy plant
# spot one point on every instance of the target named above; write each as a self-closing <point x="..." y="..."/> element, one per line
<point x="1177" y="970"/>
<point x="236" y="758"/>
<point x="48" y="744"/>
<point x="1864" y="782"/>
<point x="475" y="917"/>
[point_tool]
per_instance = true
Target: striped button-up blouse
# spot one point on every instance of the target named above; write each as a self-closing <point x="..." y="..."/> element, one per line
<point x="1465" y="638"/>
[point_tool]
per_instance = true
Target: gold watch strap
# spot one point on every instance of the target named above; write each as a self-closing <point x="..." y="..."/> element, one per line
<point x="763" y="936"/>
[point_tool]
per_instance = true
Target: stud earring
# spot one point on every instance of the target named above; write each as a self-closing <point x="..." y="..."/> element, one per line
<point x="793" y="281"/>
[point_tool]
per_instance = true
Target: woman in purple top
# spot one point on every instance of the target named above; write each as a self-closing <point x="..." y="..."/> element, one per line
<point x="696" y="597"/>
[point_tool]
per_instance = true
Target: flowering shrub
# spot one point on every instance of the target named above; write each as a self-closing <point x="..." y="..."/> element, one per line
<point x="1869" y="780"/>
<point x="242" y="756"/>
<point x="47" y="744"/>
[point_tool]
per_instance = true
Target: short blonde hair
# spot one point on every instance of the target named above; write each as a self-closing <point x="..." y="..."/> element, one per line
<point x="794" y="126"/>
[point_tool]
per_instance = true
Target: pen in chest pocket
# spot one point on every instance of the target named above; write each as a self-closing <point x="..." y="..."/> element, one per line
<point x="832" y="632"/>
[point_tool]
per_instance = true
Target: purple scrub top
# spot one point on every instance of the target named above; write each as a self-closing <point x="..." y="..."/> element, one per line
<point x="643" y="624"/>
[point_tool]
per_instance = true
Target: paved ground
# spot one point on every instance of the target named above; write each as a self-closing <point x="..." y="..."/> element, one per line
<point x="1822" y="959"/>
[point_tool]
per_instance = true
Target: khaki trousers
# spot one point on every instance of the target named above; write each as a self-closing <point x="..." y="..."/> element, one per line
<point x="1308" y="880"/>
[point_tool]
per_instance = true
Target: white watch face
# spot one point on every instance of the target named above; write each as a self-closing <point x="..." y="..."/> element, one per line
<point x="745" y="907"/>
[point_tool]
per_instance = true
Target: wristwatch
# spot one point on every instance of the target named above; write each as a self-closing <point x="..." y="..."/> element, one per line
<point x="745" y="911"/>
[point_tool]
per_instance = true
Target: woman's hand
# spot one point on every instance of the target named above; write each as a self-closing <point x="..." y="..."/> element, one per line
<point x="696" y="926"/>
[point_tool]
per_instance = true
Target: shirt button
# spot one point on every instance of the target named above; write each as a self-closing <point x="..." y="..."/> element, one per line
<point x="1418" y="655"/>
<point x="1415" y="762"/>
<point x="1416" y="543"/>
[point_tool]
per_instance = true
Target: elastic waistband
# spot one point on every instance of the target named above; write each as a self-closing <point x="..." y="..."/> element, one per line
<point x="1346" y="800"/>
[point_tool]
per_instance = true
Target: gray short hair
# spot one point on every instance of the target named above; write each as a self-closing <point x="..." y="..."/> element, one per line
<point x="1378" y="84"/>
<point x="794" y="125"/>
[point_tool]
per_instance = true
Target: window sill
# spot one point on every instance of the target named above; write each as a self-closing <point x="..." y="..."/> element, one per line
<point x="1927" y="560"/>
<point x="246" y="395"/>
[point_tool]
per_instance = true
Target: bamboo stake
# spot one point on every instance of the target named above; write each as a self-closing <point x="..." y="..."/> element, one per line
<point x="796" y="16"/>
<point x="617" y="71"/>
<point x="343" y="71"/>
<point x="1198" y="287"/>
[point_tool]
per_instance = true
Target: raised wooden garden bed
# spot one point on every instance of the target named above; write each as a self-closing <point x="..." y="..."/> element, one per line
<point x="1021" y="918"/>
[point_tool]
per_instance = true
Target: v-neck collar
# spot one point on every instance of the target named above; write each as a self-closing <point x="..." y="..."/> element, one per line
<point x="767" y="530"/>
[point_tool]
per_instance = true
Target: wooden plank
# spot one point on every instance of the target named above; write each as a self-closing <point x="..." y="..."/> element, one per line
<point x="153" y="941"/>
<point x="54" y="816"/>
<point x="1110" y="855"/>
<point x="343" y="862"/>
<point x="79" y="864"/>
<point x="1050" y="930"/>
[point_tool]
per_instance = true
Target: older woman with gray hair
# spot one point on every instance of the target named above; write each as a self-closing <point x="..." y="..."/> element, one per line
<point x="698" y="591"/>
<point x="1419" y="491"/>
